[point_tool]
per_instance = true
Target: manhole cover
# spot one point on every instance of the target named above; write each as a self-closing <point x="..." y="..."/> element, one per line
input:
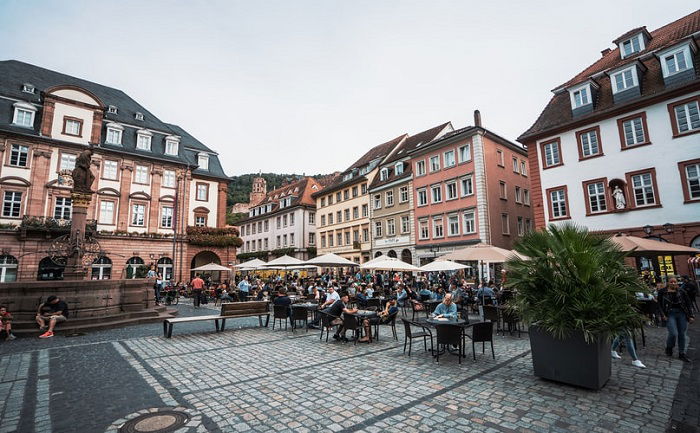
<point x="156" y="422"/>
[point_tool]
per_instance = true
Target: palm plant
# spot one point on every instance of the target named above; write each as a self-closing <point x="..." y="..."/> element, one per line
<point x="574" y="280"/>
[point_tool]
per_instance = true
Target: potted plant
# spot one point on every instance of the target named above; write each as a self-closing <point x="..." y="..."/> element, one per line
<point x="576" y="293"/>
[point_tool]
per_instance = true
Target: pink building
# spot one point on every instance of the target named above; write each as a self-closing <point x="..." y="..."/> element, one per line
<point x="469" y="186"/>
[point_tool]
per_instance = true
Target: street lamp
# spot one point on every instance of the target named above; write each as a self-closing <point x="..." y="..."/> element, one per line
<point x="668" y="227"/>
<point x="648" y="229"/>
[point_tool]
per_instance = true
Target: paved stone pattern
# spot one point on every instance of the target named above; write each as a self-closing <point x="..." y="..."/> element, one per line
<point x="259" y="380"/>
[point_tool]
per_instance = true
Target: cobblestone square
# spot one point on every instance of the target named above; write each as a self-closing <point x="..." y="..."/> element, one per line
<point x="259" y="380"/>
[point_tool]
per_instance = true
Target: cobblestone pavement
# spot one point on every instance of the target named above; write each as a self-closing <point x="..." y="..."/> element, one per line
<point x="259" y="380"/>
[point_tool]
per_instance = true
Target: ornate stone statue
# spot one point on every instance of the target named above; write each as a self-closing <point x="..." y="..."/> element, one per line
<point x="619" y="196"/>
<point x="82" y="176"/>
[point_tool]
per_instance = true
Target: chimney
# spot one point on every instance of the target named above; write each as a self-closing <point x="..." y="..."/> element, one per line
<point x="605" y="51"/>
<point x="477" y="118"/>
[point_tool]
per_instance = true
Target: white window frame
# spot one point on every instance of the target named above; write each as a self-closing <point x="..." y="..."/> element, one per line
<point x="144" y="140"/>
<point x="67" y="161"/>
<point x="453" y="219"/>
<point x="166" y="217"/>
<point x="203" y="161"/>
<point x="468" y="179"/>
<point x="202" y="191"/>
<point x="558" y="153"/>
<point x="627" y="83"/>
<point x="384" y="174"/>
<point x="114" y="134"/>
<point x="579" y="89"/>
<point x="630" y="123"/>
<point x="141" y="174"/>
<point x="434" y="163"/>
<point x="138" y="215"/>
<point x="403" y="194"/>
<point x="441" y="226"/>
<point x="62" y="206"/>
<point x="423" y="229"/>
<point x="377" y="201"/>
<point x="586" y="143"/>
<point x="640" y="44"/>
<point x="405" y="224"/>
<point x="449" y="163"/>
<point x="398" y="168"/>
<point x="171" y="147"/>
<point x="465" y="150"/>
<point x="107" y="207"/>
<point x="558" y="203"/>
<point x="378" y="229"/>
<point x="422" y="192"/>
<point x="14" y="198"/>
<point x="447" y="190"/>
<point x="693" y="180"/>
<point x="391" y="227"/>
<point x="24" y="108"/>
<point x="688" y="118"/>
<point x="389" y="198"/>
<point x="169" y="179"/>
<point x="597" y="196"/>
<point x="20" y="149"/>
<point x="469" y="222"/>
<point x="645" y="189"/>
<point x="675" y="52"/>
<point x="420" y="168"/>
<point x="433" y="190"/>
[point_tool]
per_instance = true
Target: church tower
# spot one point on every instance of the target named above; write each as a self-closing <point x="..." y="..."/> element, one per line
<point x="259" y="191"/>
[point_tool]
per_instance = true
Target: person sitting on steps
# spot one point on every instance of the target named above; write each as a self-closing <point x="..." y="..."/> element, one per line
<point x="53" y="311"/>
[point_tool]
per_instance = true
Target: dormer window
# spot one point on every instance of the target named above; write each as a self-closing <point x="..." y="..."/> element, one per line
<point x="112" y="109"/>
<point x="631" y="46"/>
<point x="138" y="116"/>
<point x="581" y="97"/>
<point x="384" y="174"/>
<point x="203" y="161"/>
<point x="171" y="145"/>
<point x="398" y="168"/>
<point x="114" y="133"/>
<point x="28" y="88"/>
<point x="675" y="61"/>
<point x="143" y="140"/>
<point x="24" y="114"/>
<point x="624" y="79"/>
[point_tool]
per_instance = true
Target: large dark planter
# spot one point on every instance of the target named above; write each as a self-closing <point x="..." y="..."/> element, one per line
<point x="571" y="360"/>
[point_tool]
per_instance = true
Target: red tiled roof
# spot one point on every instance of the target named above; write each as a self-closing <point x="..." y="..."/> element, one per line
<point x="378" y="151"/>
<point x="558" y="112"/>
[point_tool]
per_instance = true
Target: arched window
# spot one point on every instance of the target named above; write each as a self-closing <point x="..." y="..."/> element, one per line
<point x="391" y="254"/>
<point x="165" y="268"/>
<point x="8" y="269"/>
<point x="377" y="254"/>
<point x="132" y="266"/>
<point x="102" y="268"/>
<point x="48" y="270"/>
<point x="406" y="256"/>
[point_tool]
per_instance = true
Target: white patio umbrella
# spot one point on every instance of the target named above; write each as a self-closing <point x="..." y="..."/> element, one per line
<point x="480" y="252"/>
<point x="284" y="262"/>
<point x="330" y="260"/>
<point x="443" y="265"/>
<point x="390" y="264"/>
<point x="212" y="267"/>
<point x="250" y="265"/>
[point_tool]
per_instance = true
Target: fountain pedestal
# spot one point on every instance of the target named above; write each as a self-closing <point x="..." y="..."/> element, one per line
<point x="75" y="268"/>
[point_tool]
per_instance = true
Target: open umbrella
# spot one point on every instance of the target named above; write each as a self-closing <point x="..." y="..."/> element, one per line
<point x="250" y="264"/>
<point x="480" y="252"/>
<point x="284" y="262"/>
<point x="389" y="264"/>
<point x="211" y="267"/>
<point x="330" y="260"/>
<point x="443" y="265"/>
<point x="644" y="247"/>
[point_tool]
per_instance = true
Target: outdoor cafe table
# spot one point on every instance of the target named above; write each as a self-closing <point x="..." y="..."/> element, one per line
<point x="437" y="322"/>
<point x="362" y="315"/>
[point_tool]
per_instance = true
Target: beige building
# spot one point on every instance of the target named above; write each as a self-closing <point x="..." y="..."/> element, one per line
<point x="391" y="199"/>
<point x="343" y="207"/>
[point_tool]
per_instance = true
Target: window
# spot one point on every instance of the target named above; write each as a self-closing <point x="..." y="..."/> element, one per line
<point x="505" y="224"/>
<point x="365" y="211"/>
<point x="624" y="79"/>
<point x="518" y="195"/>
<point x="469" y="222"/>
<point x="398" y="168"/>
<point x="339" y="238"/>
<point x="200" y="220"/>
<point x="364" y="188"/>
<point x="291" y="219"/>
<point x="465" y="153"/>
<point x="267" y="243"/>
<point x="686" y="117"/>
<point x="11" y="203"/>
<point x="643" y="188"/>
<point x="580" y="97"/>
<point x="523" y="168"/>
<point x="403" y="194"/>
<point x="453" y="225"/>
<point x="284" y="220"/>
<point x="28" y="88"/>
<point x="420" y="168"/>
<point x="526" y="197"/>
<point x="338" y="197"/>
<point x="202" y="191"/>
<point x="106" y="212"/>
<point x="434" y="163"/>
<point x="502" y="191"/>
<point x="112" y="109"/>
<point x="356" y="236"/>
<point x="589" y="143"/>
<point x="279" y="241"/>
<point x="312" y="239"/>
<point x="365" y="235"/>
<point x="279" y="222"/>
<point x="450" y="190"/>
<point x="436" y="192"/>
<point x="355" y="212"/>
<point x="312" y="218"/>
<point x="330" y="199"/>
<point x="354" y="191"/>
<point x="384" y="174"/>
<point x="389" y="198"/>
<point x="558" y="203"/>
<point x="467" y="186"/>
<point x="550" y="154"/>
<point x="19" y="155"/>
<point x="516" y="167"/>
<point x="690" y="177"/>
<point x="377" y="201"/>
<point x="114" y="135"/>
<point x="323" y="241"/>
<point x="63" y="208"/>
<point x="138" y="215"/>
<point x="405" y="224"/>
<point x="422" y="197"/>
<point x="347" y="214"/>
<point x="346" y="235"/>
<point x="631" y="46"/>
<point x="390" y="227"/>
<point x="346" y="194"/>
<point x="284" y="240"/>
<point x="171" y="147"/>
<point x="499" y="158"/>
<point x="423" y="230"/>
<point x="449" y="157"/>
<point x="72" y="126"/>
<point x="291" y="239"/>
<point x="8" y="269"/>
<point x="67" y="161"/>
<point x="141" y="174"/>
<point x="323" y="220"/>
<point x="673" y="62"/>
<point x="528" y="225"/>
<point x="138" y="116"/>
<point x="596" y="197"/>
<point x="143" y="141"/>
<point x="437" y="228"/>
<point x="169" y="178"/>
<point x="378" y="229"/>
<point x="24" y="115"/>
<point x="109" y="169"/>
<point x="633" y="130"/>
<point x="521" y="226"/>
<point x="203" y="161"/>
<point x="166" y="217"/>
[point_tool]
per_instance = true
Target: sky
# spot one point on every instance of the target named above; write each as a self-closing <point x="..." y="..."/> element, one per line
<point x="300" y="86"/>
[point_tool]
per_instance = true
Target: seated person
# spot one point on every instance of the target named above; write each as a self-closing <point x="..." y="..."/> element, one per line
<point x="485" y="295"/>
<point x="225" y="296"/>
<point x="336" y="309"/>
<point x="370" y="290"/>
<point x="383" y="317"/>
<point x="53" y="311"/>
<point x="425" y="294"/>
<point x="446" y="309"/>
<point x="331" y="297"/>
<point x="361" y="297"/>
<point x="6" y="323"/>
<point x="439" y="294"/>
<point x="401" y="296"/>
<point x="283" y="299"/>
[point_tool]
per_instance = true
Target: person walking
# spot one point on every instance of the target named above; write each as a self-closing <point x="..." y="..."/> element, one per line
<point x="197" y="288"/>
<point x="677" y="311"/>
<point x="629" y="344"/>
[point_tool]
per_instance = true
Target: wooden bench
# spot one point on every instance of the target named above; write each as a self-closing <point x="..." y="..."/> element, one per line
<point x="228" y="311"/>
